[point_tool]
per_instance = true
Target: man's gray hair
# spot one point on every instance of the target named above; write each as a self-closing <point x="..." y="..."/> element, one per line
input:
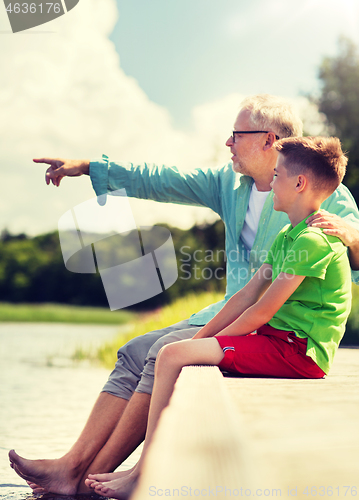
<point x="274" y="114"/>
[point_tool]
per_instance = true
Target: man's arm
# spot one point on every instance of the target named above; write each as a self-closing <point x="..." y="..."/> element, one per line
<point x="60" y="168"/>
<point x="262" y="311"/>
<point x="334" y="225"/>
<point x="199" y="187"/>
<point x="346" y="227"/>
<point x="239" y="303"/>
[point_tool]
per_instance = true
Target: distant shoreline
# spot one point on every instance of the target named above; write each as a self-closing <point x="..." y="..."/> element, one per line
<point x="61" y="313"/>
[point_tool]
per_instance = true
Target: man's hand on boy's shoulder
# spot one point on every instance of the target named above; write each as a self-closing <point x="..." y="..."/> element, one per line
<point x="334" y="225"/>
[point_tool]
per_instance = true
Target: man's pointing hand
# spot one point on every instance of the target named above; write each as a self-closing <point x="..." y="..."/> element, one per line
<point x="60" y="167"/>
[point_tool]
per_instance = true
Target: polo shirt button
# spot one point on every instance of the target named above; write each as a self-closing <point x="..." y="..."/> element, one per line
<point x="252" y="270"/>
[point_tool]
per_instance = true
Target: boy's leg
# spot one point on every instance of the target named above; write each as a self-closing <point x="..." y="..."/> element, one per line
<point x="170" y="361"/>
<point x="172" y="358"/>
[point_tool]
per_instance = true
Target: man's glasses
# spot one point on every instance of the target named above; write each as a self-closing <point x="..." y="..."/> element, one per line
<point x="249" y="132"/>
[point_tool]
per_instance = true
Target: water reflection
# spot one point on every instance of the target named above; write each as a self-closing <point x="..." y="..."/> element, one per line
<point x="45" y="397"/>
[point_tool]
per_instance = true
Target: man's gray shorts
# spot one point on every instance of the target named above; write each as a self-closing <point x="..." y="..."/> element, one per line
<point x="134" y="369"/>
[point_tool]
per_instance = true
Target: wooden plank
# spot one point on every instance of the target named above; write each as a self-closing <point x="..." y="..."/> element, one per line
<point x="199" y="448"/>
<point x="304" y="434"/>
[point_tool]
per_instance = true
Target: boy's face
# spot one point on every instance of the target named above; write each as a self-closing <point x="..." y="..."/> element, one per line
<point x="283" y="187"/>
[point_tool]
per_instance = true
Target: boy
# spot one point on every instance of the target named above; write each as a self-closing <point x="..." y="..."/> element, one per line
<point x="289" y="319"/>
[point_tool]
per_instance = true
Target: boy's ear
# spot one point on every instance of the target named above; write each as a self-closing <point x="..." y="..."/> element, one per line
<point x="302" y="183"/>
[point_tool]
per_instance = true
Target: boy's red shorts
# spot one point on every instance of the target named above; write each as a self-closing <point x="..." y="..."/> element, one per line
<point x="268" y="353"/>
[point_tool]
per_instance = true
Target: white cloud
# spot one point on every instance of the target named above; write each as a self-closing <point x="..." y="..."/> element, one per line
<point x="63" y="93"/>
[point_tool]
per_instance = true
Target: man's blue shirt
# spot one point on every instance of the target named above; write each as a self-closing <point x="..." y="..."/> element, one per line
<point x="226" y="193"/>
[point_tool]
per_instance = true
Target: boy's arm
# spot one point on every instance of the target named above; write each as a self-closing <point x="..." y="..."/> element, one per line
<point x="239" y="303"/>
<point x="262" y="311"/>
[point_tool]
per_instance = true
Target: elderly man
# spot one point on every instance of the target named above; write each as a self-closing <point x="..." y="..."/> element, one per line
<point x="240" y="193"/>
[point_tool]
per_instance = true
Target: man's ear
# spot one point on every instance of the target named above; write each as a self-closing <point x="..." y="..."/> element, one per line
<point x="270" y="140"/>
<point x="301" y="184"/>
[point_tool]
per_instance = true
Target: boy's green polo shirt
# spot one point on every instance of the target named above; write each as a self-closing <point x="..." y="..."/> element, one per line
<point x="319" y="307"/>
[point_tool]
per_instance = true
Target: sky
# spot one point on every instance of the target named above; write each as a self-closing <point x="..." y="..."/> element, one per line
<point x="158" y="81"/>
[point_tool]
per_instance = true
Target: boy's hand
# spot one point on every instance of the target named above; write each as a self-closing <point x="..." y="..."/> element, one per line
<point x="60" y="168"/>
<point x="334" y="225"/>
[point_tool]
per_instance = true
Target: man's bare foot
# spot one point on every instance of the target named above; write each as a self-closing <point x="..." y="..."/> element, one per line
<point x="108" y="476"/>
<point x="121" y="488"/>
<point x="36" y="488"/>
<point x="50" y="475"/>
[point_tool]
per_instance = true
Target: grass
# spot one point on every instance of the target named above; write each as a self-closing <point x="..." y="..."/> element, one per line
<point x="58" y="313"/>
<point x="168" y="315"/>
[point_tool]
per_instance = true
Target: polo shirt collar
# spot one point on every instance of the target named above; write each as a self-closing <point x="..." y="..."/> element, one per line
<point x="293" y="232"/>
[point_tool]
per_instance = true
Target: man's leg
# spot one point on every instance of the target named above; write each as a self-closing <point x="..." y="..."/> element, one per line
<point x="63" y="475"/>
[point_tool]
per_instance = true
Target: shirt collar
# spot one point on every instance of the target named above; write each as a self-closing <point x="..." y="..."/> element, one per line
<point x="242" y="179"/>
<point x="293" y="232"/>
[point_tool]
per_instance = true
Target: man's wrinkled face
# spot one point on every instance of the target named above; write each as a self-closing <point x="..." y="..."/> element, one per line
<point x="246" y="147"/>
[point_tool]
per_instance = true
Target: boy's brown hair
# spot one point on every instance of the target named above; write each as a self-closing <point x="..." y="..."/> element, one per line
<point x="320" y="157"/>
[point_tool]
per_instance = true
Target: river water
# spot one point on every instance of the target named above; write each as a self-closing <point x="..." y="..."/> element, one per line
<point x="45" y="397"/>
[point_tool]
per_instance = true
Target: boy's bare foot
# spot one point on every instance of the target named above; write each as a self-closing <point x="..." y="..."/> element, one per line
<point x="48" y="475"/>
<point x="121" y="488"/>
<point x="93" y="479"/>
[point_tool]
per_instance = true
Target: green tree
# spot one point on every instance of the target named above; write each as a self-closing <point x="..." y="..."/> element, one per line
<point x="339" y="101"/>
<point x="33" y="270"/>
